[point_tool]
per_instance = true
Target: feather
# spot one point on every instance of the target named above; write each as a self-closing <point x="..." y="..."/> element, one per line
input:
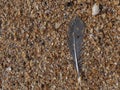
<point x="75" y="39"/>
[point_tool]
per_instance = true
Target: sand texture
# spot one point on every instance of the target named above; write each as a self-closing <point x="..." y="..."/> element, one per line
<point x="34" y="53"/>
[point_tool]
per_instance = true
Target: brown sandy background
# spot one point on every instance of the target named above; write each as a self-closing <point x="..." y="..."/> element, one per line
<point x="33" y="45"/>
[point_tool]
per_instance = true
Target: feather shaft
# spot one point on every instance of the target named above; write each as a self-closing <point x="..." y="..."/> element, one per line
<point x="76" y="60"/>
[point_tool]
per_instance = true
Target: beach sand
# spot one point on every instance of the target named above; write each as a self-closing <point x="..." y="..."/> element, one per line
<point x="34" y="53"/>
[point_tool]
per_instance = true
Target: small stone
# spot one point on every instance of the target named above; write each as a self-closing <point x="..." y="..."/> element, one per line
<point x="79" y="1"/>
<point x="119" y="29"/>
<point x="103" y="16"/>
<point x="116" y="2"/>
<point x="8" y="69"/>
<point x="119" y="12"/>
<point x="57" y="25"/>
<point x="71" y="3"/>
<point x="95" y="9"/>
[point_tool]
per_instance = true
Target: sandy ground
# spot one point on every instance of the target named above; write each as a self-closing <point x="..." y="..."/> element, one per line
<point x="34" y="53"/>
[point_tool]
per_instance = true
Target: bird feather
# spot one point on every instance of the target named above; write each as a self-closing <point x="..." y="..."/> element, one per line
<point x="75" y="39"/>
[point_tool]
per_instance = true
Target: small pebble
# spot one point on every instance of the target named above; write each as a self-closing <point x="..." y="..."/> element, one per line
<point x="70" y="4"/>
<point x="57" y="25"/>
<point x="95" y="9"/>
<point x="8" y="69"/>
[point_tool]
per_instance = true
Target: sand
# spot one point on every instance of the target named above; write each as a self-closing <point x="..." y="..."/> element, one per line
<point x="34" y="53"/>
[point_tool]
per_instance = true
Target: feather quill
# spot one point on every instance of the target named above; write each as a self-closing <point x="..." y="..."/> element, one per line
<point x="75" y="39"/>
